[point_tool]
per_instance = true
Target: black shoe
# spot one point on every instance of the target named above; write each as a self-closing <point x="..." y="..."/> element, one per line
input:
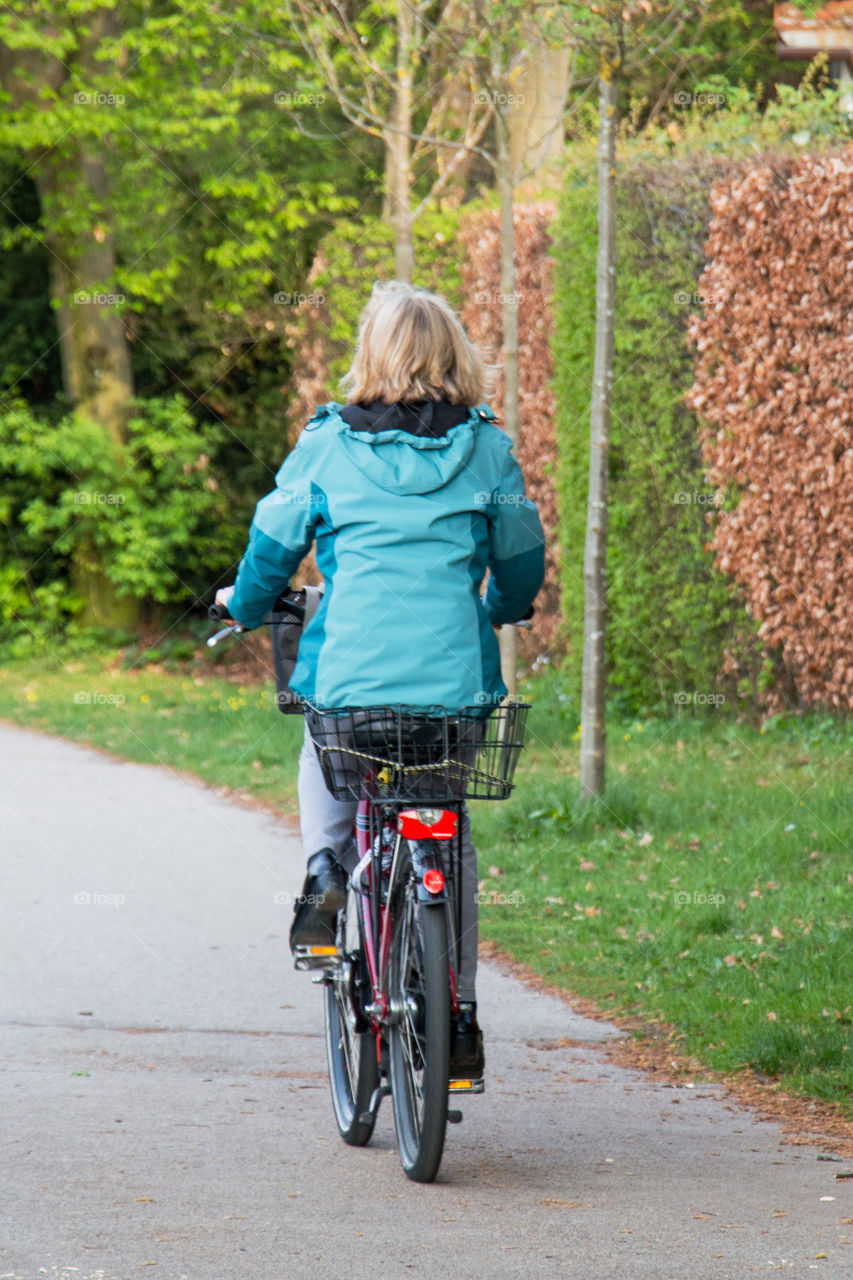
<point x="467" y="1059"/>
<point x="323" y="895"/>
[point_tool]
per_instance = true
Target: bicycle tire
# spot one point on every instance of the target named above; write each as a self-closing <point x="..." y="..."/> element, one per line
<point x="350" y="1052"/>
<point x="419" y="1035"/>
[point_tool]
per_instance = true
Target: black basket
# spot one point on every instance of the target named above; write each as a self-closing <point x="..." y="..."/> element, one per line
<point x="419" y="756"/>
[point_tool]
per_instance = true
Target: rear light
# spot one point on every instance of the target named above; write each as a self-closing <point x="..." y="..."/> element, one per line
<point x="427" y="824"/>
<point x="433" y="880"/>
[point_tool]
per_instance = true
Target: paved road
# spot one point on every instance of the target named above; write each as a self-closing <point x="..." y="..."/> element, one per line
<point x="164" y="1100"/>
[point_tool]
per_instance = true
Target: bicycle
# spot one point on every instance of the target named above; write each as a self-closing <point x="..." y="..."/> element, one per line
<point x="389" y="979"/>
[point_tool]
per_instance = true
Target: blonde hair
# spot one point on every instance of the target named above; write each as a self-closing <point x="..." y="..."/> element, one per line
<point x="412" y="346"/>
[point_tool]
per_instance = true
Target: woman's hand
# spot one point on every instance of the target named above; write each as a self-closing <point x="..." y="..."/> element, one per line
<point x="223" y="598"/>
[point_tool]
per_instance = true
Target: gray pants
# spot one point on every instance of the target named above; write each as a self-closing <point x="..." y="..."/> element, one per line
<point x="327" y="823"/>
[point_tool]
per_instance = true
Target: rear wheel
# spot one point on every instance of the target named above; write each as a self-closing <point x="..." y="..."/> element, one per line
<point x="419" y="1032"/>
<point x="350" y="1047"/>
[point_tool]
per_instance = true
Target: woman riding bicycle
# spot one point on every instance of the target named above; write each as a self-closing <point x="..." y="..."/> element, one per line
<point x="410" y="492"/>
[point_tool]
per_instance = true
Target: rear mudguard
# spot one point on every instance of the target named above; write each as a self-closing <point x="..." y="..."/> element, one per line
<point x="426" y="856"/>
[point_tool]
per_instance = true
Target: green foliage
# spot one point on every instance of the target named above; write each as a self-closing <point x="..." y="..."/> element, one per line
<point x="676" y="52"/>
<point x="216" y="192"/>
<point x="149" y="511"/>
<point x="671" y="613"/>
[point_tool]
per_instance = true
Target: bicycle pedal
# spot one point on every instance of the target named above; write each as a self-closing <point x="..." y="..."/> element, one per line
<point x="315" y="957"/>
<point x="466" y="1086"/>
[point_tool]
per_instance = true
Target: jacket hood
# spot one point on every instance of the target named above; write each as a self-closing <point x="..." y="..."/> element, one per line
<point x="420" y="417"/>
<point x="400" y="461"/>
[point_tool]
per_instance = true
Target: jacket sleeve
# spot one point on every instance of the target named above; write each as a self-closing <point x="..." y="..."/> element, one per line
<point x="280" y="536"/>
<point x="516" y="546"/>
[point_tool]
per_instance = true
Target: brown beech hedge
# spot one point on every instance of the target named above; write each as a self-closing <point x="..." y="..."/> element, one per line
<point x="774" y="386"/>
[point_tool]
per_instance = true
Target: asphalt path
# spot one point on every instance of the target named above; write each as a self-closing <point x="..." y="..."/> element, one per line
<point x="165" y="1109"/>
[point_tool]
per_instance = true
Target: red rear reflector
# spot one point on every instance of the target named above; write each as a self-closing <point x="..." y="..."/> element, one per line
<point x="433" y="880"/>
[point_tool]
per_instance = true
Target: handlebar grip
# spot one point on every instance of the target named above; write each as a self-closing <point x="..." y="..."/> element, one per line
<point x="217" y="612"/>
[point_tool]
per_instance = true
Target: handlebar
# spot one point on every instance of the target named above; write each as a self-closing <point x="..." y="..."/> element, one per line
<point x="282" y="605"/>
<point x="219" y="612"/>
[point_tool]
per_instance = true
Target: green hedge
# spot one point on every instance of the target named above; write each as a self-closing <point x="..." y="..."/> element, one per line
<point x="671" y="613"/>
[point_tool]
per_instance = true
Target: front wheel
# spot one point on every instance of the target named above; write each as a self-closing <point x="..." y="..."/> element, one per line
<point x="419" y="1032"/>
<point x="350" y="1049"/>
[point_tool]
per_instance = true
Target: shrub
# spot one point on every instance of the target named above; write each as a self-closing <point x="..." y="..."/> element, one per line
<point x="148" y="513"/>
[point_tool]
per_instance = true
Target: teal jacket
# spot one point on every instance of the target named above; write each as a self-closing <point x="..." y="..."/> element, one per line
<point x="405" y="526"/>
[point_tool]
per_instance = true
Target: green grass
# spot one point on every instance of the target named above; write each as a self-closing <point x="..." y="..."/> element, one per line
<point x="710" y="887"/>
<point x="229" y="735"/>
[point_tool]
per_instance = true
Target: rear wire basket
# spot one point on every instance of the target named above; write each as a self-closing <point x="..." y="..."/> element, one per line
<point x="417" y="756"/>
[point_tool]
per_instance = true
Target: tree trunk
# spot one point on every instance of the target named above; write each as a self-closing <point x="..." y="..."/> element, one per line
<point x="593" y="699"/>
<point x="538" y="99"/>
<point x="398" y="150"/>
<point x="96" y="371"/>
<point x="508" y="636"/>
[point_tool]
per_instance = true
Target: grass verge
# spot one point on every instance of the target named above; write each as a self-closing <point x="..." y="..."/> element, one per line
<point x="710" y="887"/>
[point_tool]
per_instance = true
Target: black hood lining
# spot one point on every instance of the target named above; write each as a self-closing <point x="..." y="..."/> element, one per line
<point x="419" y="417"/>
